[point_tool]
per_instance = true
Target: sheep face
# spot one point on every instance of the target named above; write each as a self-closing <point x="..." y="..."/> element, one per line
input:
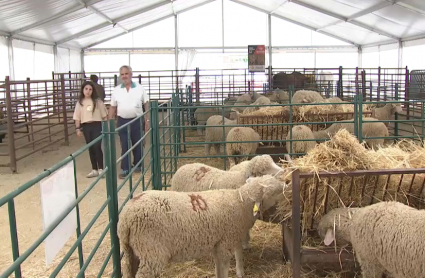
<point x="335" y="226"/>
<point x="396" y="108"/>
<point x="271" y="190"/>
<point x="263" y="165"/>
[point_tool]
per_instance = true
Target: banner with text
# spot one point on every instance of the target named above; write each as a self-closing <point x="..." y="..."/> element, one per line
<point x="256" y="58"/>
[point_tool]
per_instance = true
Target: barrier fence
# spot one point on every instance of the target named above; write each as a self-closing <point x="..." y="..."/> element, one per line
<point x="118" y="193"/>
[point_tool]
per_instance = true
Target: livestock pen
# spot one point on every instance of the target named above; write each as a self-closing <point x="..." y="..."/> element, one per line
<point x="173" y="142"/>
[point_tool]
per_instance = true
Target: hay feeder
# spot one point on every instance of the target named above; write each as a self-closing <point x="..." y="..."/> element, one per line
<point x="315" y="194"/>
<point x="268" y="123"/>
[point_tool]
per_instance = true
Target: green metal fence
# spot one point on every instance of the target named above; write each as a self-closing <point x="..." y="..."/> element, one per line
<point x="192" y="143"/>
<point x="167" y="143"/>
<point x="118" y="193"/>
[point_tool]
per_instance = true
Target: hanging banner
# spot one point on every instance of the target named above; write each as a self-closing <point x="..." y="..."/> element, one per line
<point x="256" y="58"/>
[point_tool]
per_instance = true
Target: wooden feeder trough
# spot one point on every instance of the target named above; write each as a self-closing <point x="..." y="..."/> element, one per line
<point x="308" y="210"/>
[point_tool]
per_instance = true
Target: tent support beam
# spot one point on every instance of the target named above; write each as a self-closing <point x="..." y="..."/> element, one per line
<point x="54" y="17"/>
<point x="361" y="13"/>
<point x="295" y="22"/>
<point x="340" y="17"/>
<point x="149" y="23"/>
<point x="124" y="17"/>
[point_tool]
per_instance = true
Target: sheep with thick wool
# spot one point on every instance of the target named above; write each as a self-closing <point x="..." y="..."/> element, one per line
<point x="387" y="237"/>
<point x="214" y="132"/>
<point x="387" y="112"/>
<point x="198" y="224"/>
<point x="369" y="129"/>
<point x="278" y="95"/>
<point x="241" y="135"/>
<point x="202" y="114"/>
<point x="199" y="176"/>
<point x="300" y="132"/>
<point x="306" y="96"/>
<point x="260" y="101"/>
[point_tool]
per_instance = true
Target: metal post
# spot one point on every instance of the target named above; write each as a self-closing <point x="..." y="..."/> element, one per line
<point x="14" y="235"/>
<point x="111" y="188"/>
<point x="396" y="114"/>
<point x="269" y="17"/>
<point x="379" y="84"/>
<point x="197" y="92"/>
<point x="339" y="92"/>
<point x="77" y="209"/>
<point x="222" y="25"/>
<point x="296" y="215"/>
<point x="360" y="118"/>
<point x="407" y="93"/>
<point x="64" y="112"/>
<point x="10" y="127"/>
<point x="155" y="141"/>
<point x="11" y="59"/>
<point x="176" y="45"/>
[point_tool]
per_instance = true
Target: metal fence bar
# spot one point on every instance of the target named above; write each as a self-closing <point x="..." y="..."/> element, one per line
<point x="111" y="188"/>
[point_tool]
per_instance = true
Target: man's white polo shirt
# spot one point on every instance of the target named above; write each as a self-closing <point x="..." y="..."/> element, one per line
<point x="129" y="104"/>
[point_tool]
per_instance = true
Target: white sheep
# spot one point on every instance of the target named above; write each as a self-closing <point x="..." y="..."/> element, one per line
<point x="241" y="135"/>
<point x="197" y="224"/>
<point x="387" y="112"/>
<point x="202" y="115"/>
<point x="300" y="132"/>
<point x="369" y="129"/>
<point x="260" y="101"/>
<point x="244" y="164"/>
<point x="215" y="134"/>
<point x="306" y="96"/>
<point x="245" y="99"/>
<point x="387" y="237"/>
<point x="199" y="176"/>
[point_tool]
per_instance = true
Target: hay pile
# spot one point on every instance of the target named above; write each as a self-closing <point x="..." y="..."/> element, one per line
<point x="326" y="112"/>
<point x="344" y="153"/>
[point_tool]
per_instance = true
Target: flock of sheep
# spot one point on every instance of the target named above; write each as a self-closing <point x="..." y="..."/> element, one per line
<point x="211" y="211"/>
<point x="206" y="211"/>
<point x="238" y="149"/>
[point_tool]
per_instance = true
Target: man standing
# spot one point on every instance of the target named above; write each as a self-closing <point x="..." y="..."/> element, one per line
<point x="99" y="88"/>
<point x="129" y="98"/>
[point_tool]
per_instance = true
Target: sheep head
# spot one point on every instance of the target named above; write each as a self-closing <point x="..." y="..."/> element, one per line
<point x="336" y="225"/>
<point x="396" y="108"/>
<point x="262" y="165"/>
<point x="265" y="191"/>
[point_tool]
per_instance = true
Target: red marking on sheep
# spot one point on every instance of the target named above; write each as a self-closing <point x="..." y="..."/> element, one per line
<point x="200" y="173"/>
<point x="198" y="203"/>
<point x="138" y="197"/>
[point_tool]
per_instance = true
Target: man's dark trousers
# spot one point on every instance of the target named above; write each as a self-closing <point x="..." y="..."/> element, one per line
<point x="135" y="135"/>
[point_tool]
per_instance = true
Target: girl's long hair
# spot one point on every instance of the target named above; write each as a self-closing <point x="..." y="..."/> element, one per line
<point x="94" y="95"/>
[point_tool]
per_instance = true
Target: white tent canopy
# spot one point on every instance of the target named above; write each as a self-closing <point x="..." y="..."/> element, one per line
<point x="84" y="23"/>
<point x="57" y="33"/>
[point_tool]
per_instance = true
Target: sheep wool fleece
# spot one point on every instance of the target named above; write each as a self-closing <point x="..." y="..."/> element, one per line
<point x="161" y="227"/>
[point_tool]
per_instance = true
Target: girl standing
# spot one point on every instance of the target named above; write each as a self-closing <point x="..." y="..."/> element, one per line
<point x="88" y="115"/>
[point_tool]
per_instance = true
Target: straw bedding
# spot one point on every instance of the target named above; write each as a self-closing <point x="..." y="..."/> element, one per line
<point x="344" y="153"/>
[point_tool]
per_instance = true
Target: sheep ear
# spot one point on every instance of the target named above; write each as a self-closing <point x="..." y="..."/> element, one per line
<point x="249" y="180"/>
<point x="329" y="237"/>
<point x="256" y="210"/>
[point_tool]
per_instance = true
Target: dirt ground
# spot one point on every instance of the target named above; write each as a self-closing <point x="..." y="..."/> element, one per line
<point x="263" y="260"/>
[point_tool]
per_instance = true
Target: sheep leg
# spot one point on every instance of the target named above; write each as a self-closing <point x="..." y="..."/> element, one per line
<point x="217" y="148"/>
<point x="222" y="262"/>
<point x="369" y="268"/>
<point x="245" y="241"/>
<point x="207" y="149"/>
<point x="239" y="260"/>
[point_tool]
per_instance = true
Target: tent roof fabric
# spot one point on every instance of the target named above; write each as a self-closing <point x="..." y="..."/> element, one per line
<point x="85" y="23"/>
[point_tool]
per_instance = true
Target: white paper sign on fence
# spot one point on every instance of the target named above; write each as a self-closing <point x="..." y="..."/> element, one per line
<point x="57" y="193"/>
